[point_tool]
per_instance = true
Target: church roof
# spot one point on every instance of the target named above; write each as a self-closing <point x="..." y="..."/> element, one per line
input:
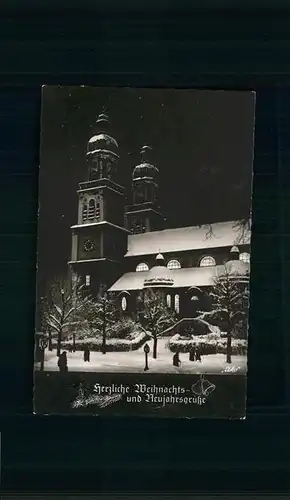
<point x="224" y="234"/>
<point x="183" y="278"/>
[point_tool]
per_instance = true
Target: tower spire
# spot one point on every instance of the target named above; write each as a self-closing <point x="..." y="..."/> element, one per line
<point x="102" y="154"/>
<point x="144" y="215"/>
<point x="99" y="239"/>
<point x="146" y="154"/>
<point x="103" y="122"/>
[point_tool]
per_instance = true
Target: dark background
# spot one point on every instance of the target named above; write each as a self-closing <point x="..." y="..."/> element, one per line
<point x="202" y="144"/>
<point x="174" y="45"/>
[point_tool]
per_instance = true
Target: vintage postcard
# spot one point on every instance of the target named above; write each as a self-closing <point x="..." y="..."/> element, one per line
<point x="143" y="263"/>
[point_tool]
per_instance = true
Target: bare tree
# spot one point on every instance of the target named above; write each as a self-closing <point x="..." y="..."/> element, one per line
<point x="230" y="302"/>
<point x="61" y="310"/>
<point x="242" y="228"/>
<point x="155" y="316"/>
<point x="98" y="315"/>
<point x="95" y="314"/>
<point x="106" y="312"/>
<point x="86" y="314"/>
<point x="44" y="311"/>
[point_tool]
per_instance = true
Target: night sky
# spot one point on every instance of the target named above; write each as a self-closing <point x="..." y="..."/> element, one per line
<point x="202" y="144"/>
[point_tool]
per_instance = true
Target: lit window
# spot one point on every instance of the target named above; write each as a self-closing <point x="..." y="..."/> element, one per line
<point x="85" y="212"/>
<point x="88" y="280"/>
<point x="124" y="303"/>
<point x="142" y="267"/>
<point x="176" y="303"/>
<point x="168" y="300"/>
<point x="207" y="261"/>
<point x="174" y="264"/>
<point x="91" y="211"/>
<point x="97" y="211"/>
<point x="245" y="257"/>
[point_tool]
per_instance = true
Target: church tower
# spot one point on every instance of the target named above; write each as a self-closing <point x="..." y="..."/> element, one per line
<point x="99" y="239"/>
<point x="144" y="214"/>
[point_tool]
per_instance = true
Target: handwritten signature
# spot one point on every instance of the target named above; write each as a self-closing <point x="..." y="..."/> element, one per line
<point x="102" y="401"/>
<point x="231" y="369"/>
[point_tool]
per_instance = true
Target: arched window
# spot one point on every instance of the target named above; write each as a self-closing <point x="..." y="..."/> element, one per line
<point x="91" y="211"/>
<point x="97" y="211"/>
<point x="168" y="300"/>
<point x="88" y="280"/>
<point x="176" y="303"/>
<point x="124" y="303"/>
<point x="174" y="264"/>
<point x="245" y="257"/>
<point x="207" y="261"/>
<point x="85" y="212"/>
<point x="92" y="208"/>
<point x="142" y="267"/>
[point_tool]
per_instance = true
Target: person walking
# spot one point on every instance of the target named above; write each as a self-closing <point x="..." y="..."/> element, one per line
<point x="86" y="354"/>
<point x="198" y="353"/>
<point x="62" y="362"/>
<point x="176" y="360"/>
<point x="192" y="353"/>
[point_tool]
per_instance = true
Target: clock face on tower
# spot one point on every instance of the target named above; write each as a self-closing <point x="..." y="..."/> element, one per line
<point x="89" y="246"/>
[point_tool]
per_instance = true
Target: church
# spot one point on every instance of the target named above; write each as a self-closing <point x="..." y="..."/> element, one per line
<point x="126" y="249"/>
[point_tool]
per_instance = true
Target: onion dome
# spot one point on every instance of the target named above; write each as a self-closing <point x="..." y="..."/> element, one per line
<point x="159" y="276"/>
<point x="103" y="139"/>
<point x="146" y="170"/>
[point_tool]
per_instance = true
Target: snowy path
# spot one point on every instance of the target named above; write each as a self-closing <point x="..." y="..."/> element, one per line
<point x="133" y="362"/>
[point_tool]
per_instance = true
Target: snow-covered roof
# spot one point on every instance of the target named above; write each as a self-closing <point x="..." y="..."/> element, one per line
<point x="223" y="234"/>
<point x="183" y="278"/>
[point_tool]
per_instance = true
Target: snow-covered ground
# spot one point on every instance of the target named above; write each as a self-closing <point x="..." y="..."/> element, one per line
<point x="134" y="362"/>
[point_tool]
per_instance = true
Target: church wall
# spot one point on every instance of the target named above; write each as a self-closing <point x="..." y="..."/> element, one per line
<point x="113" y="208"/>
<point x="177" y="299"/>
<point x="114" y="243"/>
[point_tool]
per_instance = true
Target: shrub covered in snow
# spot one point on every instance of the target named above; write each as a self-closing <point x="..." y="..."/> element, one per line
<point x="125" y="328"/>
<point x="187" y="327"/>
<point x="199" y="327"/>
<point x="212" y="343"/>
<point x="112" y="344"/>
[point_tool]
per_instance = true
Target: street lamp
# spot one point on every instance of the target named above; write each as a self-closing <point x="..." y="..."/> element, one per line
<point x="146" y="351"/>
